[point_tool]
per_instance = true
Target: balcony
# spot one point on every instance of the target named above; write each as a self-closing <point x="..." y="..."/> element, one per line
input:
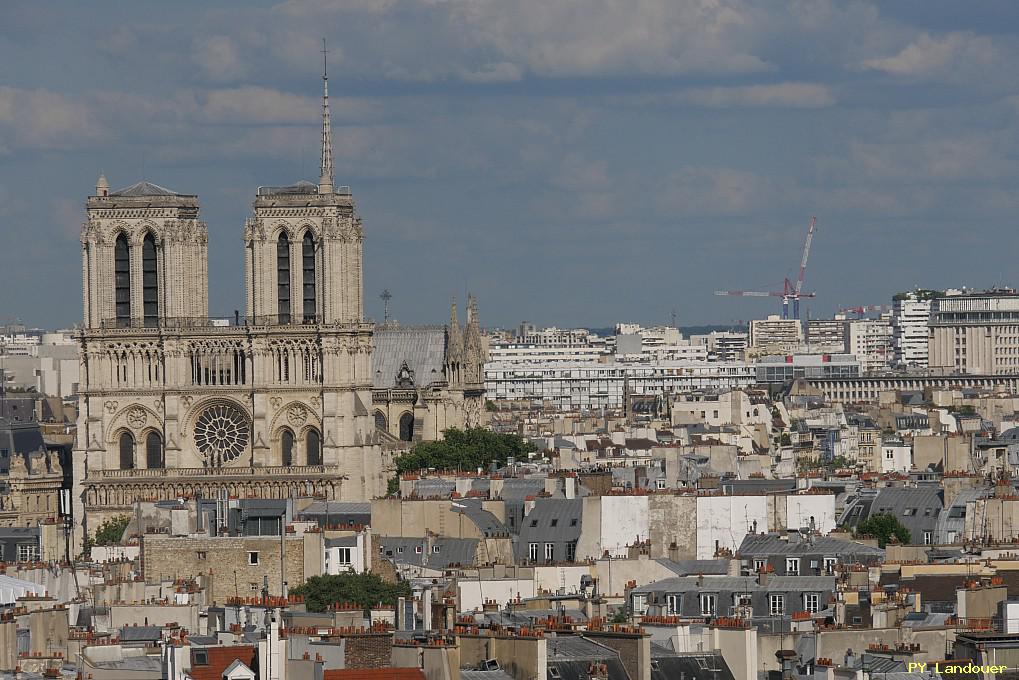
<point x="177" y="474"/>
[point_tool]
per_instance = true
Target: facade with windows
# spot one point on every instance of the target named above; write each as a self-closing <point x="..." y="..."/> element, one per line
<point x="582" y="385"/>
<point x="793" y="554"/>
<point x="347" y="553"/>
<point x="174" y="403"/>
<point x="975" y="333"/>
<point x="910" y="330"/>
<point x="757" y="597"/>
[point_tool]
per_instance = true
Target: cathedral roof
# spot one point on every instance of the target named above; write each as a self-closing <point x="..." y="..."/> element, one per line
<point x="423" y="348"/>
<point x="144" y="188"/>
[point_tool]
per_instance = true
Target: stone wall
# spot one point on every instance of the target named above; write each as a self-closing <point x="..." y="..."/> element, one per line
<point x="228" y="559"/>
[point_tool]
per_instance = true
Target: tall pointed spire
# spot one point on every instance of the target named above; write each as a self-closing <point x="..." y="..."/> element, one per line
<point x="325" y="178"/>
<point x="455" y="345"/>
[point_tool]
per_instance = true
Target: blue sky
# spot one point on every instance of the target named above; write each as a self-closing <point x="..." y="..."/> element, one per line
<point x="575" y="162"/>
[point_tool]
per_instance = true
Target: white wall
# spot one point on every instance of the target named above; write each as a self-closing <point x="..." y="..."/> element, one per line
<point x="896" y="458"/>
<point x="624" y="520"/>
<point x="357" y="559"/>
<point x="473" y="593"/>
<point x="726" y="519"/>
<point x="800" y="508"/>
<point x="553" y="578"/>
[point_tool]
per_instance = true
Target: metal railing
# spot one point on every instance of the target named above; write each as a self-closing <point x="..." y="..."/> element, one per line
<point x="178" y="322"/>
<point x="177" y="473"/>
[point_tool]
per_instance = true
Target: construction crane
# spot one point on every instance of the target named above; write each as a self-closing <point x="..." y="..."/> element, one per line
<point x="791" y="292"/>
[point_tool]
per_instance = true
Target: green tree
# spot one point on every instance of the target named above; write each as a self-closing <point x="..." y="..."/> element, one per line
<point x="111" y="532"/>
<point x="466" y="449"/>
<point x="365" y="590"/>
<point x="884" y="527"/>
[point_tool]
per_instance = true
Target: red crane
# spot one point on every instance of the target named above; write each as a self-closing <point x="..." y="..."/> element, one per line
<point x="791" y="292"/>
<point x="866" y="309"/>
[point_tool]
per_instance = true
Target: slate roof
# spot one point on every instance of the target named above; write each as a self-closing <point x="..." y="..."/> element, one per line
<point x="141" y="633"/>
<point x="519" y="488"/>
<point x="571" y="656"/>
<point x="485" y="675"/>
<point x="695" y="567"/>
<point x="772" y="544"/>
<point x="736" y="487"/>
<point x="451" y="551"/>
<point x="338" y="512"/>
<point x="551" y="520"/>
<point x="423" y="348"/>
<point x="486" y="522"/>
<point x="144" y="188"/>
<point x="666" y="665"/>
<point x="342" y="542"/>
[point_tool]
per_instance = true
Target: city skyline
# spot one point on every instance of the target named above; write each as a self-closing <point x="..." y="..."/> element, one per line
<point x="499" y="148"/>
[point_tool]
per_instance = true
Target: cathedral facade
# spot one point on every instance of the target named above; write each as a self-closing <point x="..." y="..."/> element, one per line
<point x="175" y="404"/>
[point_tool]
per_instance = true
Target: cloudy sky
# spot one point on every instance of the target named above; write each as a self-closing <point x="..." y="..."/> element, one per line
<point x="576" y="162"/>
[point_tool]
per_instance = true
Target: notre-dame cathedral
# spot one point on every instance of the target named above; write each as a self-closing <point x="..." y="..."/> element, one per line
<point x="276" y="404"/>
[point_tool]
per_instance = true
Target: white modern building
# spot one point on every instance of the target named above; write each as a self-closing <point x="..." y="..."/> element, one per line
<point x="776" y="333"/>
<point x="975" y="333"/>
<point x="870" y="341"/>
<point x="910" y="330"/>
<point x="723" y="345"/>
<point x="584" y="385"/>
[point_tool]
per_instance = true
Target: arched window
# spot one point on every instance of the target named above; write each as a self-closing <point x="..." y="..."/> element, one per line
<point x="283" y="278"/>
<point x="154" y="450"/>
<point x="150" y="283"/>
<point x="380" y="421"/>
<point x="406" y="427"/>
<point x="126" y="451"/>
<point x="122" y="280"/>
<point x="313" y="446"/>
<point x="308" y="273"/>
<point x="287" y="448"/>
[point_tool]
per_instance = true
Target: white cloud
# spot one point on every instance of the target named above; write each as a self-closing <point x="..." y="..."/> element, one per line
<point x="218" y="58"/>
<point x="778" y="95"/>
<point x="943" y="57"/>
<point x="44" y="119"/>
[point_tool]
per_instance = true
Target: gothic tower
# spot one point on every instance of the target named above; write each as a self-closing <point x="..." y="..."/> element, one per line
<point x="143" y="257"/>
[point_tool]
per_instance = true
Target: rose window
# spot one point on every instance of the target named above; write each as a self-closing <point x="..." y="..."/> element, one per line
<point x="221" y="433"/>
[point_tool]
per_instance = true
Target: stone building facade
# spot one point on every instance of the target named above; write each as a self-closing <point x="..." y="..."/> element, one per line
<point x="272" y="405"/>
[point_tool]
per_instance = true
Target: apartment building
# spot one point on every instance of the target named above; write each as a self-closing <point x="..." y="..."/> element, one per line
<point x="590" y="385"/>
<point x="870" y="341"/>
<point x="827" y="334"/>
<point x="910" y="331"/>
<point x="775" y="333"/>
<point x="975" y="333"/>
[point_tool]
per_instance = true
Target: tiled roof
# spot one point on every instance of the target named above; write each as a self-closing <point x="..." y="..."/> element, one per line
<point x="221" y="658"/>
